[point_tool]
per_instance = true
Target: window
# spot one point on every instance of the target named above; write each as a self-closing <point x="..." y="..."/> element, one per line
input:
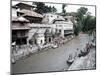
<point x="60" y="25"/>
<point x="66" y="19"/>
<point x="57" y="16"/>
<point x="56" y="25"/>
<point x="59" y="31"/>
<point x="41" y="41"/>
<point x="49" y="39"/>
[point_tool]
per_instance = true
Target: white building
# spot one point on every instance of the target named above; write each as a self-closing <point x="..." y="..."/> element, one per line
<point x="40" y="36"/>
<point x="59" y="24"/>
<point x="49" y="18"/>
<point x="37" y="33"/>
<point x="63" y="28"/>
<point x="42" y="27"/>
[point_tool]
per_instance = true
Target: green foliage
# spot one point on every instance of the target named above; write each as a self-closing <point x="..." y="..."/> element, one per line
<point x="76" y="30"/>
<point x="80" y="16"/>
<point x="81" y="12"/>
<point x="85" y="22"/>
<point x="54" y="9"/>
<point x="63" y="9"/>
<point x="42" y="8"/>
<point x="89" y="23"/>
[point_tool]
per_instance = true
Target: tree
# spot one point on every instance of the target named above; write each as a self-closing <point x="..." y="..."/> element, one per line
<point x="54" y="9"/>
<point x="81" y="12"/>
<point x="80" y="16"/>
<point x="63" y="9"/>
<point x="85" y="22"/>
<point x="89" y="23"/>
<point x="42" y="8"/>
<point x="76" y="30"/>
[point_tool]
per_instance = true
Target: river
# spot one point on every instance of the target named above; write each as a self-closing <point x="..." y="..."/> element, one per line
<point x="52" y="59"/>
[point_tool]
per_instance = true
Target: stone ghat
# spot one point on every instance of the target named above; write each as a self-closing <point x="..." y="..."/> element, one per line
<point x="84" y="63"/>
<point x="23" y="51"/>
<point x="83" y="59"/>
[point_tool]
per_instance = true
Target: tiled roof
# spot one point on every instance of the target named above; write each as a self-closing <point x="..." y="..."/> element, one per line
<point x="30" y="13"/>
<point x="19" y="19"/>
<point x="24" y="3"/>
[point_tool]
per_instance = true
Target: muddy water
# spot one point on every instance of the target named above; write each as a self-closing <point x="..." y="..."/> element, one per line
<point x="52" y="59"/>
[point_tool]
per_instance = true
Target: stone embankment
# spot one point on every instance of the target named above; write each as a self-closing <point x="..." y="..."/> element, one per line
<point x="23" y="51"/>
<point x="83" y="59"/>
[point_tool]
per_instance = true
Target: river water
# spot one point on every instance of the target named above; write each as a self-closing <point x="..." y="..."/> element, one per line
<point x="52" y="59"/>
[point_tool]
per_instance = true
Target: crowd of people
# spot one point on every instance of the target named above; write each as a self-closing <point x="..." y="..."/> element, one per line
<point x="61" y="41"/>
<point x="80" y="53"/>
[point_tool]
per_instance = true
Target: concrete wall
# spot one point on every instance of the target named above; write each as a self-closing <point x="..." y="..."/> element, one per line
<point x="53" y="27"/>
<point x="50" y="18"/>
<point x="62" y="27"/>
<point x="40" y="39"/>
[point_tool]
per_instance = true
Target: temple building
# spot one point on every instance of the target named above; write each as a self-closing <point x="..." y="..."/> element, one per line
<point x="20" y="30"/>
<point x="30" y="27"/>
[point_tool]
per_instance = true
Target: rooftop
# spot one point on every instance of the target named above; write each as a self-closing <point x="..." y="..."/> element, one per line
<point x="24" y="4"/>
<point x="14" y="7"/>
<point x="63" y="22"/>
<point x="30" y="13"/>
<point x="19" y="19"/>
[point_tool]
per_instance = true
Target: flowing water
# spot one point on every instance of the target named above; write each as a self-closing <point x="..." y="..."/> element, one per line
<point x="52" y="59"/>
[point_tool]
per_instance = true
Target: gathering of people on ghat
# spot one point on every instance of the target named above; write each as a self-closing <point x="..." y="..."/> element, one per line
<point x="80" y="53"/>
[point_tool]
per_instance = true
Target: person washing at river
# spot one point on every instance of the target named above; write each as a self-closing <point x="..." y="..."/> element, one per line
<point x="72" y="56"/>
